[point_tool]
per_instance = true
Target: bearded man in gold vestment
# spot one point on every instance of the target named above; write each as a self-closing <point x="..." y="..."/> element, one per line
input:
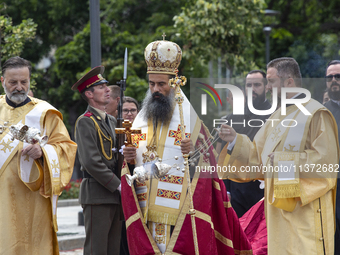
<point x="158" y="218"/>
<point x="32" y="176"/>
<point x="297" y="155"/>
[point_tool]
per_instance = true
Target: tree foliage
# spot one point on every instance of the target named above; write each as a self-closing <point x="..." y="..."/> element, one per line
<point x="307" y="31"/>
<point x="58" y="21"/>
<point x="13" y="37"/>
<point x="224" y="29"/>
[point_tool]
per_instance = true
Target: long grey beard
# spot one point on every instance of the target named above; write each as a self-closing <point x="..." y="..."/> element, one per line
<point x="19" y="97"/>
<point x="158" y="109"/>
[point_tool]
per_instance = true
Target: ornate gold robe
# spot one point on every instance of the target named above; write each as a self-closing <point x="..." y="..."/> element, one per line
<point x="30" y="189"/>
<point x="153" y="207"/>
<point x="300" y="205"/>
<point x="161" y="200"/>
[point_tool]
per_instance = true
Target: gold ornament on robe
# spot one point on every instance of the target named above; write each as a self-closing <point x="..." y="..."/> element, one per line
<point x="150" y="154"/>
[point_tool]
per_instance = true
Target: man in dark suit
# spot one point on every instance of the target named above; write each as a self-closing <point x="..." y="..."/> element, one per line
<point x="100" y="188"/>
<point x="333" y="89"/>
<point x="245" y="195"/>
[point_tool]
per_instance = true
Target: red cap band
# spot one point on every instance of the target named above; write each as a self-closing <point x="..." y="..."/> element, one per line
<point x="89" y="82"/>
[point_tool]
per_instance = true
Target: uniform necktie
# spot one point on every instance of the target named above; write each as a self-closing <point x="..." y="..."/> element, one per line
<point x="107" y="120"/>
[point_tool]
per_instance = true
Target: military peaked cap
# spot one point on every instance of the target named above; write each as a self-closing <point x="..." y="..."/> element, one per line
<point x="92" y="78"/>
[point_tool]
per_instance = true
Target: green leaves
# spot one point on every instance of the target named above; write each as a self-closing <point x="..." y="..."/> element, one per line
<point x="219" y="28"/>
<point x="71" y="190"/>
<point x="13" y="37"/>
<point x="281" y="33"/>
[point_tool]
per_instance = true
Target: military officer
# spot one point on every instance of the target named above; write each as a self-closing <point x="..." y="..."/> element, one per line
<point x="100" y="187"/>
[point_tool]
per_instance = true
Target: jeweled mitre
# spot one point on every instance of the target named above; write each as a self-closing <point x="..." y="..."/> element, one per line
<point x="163" y="57"/>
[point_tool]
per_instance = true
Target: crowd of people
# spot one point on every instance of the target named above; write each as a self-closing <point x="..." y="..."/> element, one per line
<point x="157" y="203"/>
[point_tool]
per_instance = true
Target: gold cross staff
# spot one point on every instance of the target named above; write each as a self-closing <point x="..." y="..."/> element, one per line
<point x="127" y="130"/>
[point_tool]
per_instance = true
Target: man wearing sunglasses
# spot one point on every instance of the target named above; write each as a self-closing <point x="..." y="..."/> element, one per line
<point x="333" y="89"/>
<point x="333" y="81"/>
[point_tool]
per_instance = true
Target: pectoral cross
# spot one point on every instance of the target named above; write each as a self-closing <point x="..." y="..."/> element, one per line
<point x="127" y="130"/>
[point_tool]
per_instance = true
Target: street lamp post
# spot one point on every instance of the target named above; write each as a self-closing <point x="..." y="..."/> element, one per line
<point x="267" y="30"/>
<point x="96" y="56"/>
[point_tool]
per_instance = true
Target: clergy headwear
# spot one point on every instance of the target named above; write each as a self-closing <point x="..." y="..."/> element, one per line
<point x="163" y="57"/>
<point x="92" y="78"/>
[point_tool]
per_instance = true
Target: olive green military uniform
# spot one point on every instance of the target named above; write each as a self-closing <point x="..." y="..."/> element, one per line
<point x="99" y="196"/>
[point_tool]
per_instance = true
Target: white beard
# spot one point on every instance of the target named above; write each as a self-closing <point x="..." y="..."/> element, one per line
<point x="18" y="97"/>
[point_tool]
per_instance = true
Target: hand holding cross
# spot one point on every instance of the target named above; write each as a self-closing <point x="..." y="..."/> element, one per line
<point x="127" y="130"/>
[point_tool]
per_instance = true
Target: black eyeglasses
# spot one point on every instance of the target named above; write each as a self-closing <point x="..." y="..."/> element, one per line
<point x="132" y="111"/>
<point x="329" y="78"/>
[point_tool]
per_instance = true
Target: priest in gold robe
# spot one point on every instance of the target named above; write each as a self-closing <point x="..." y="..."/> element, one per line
<point x="157" y="212"/>
<point x="297" y="155"/>
<point x="32" y="176"/>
